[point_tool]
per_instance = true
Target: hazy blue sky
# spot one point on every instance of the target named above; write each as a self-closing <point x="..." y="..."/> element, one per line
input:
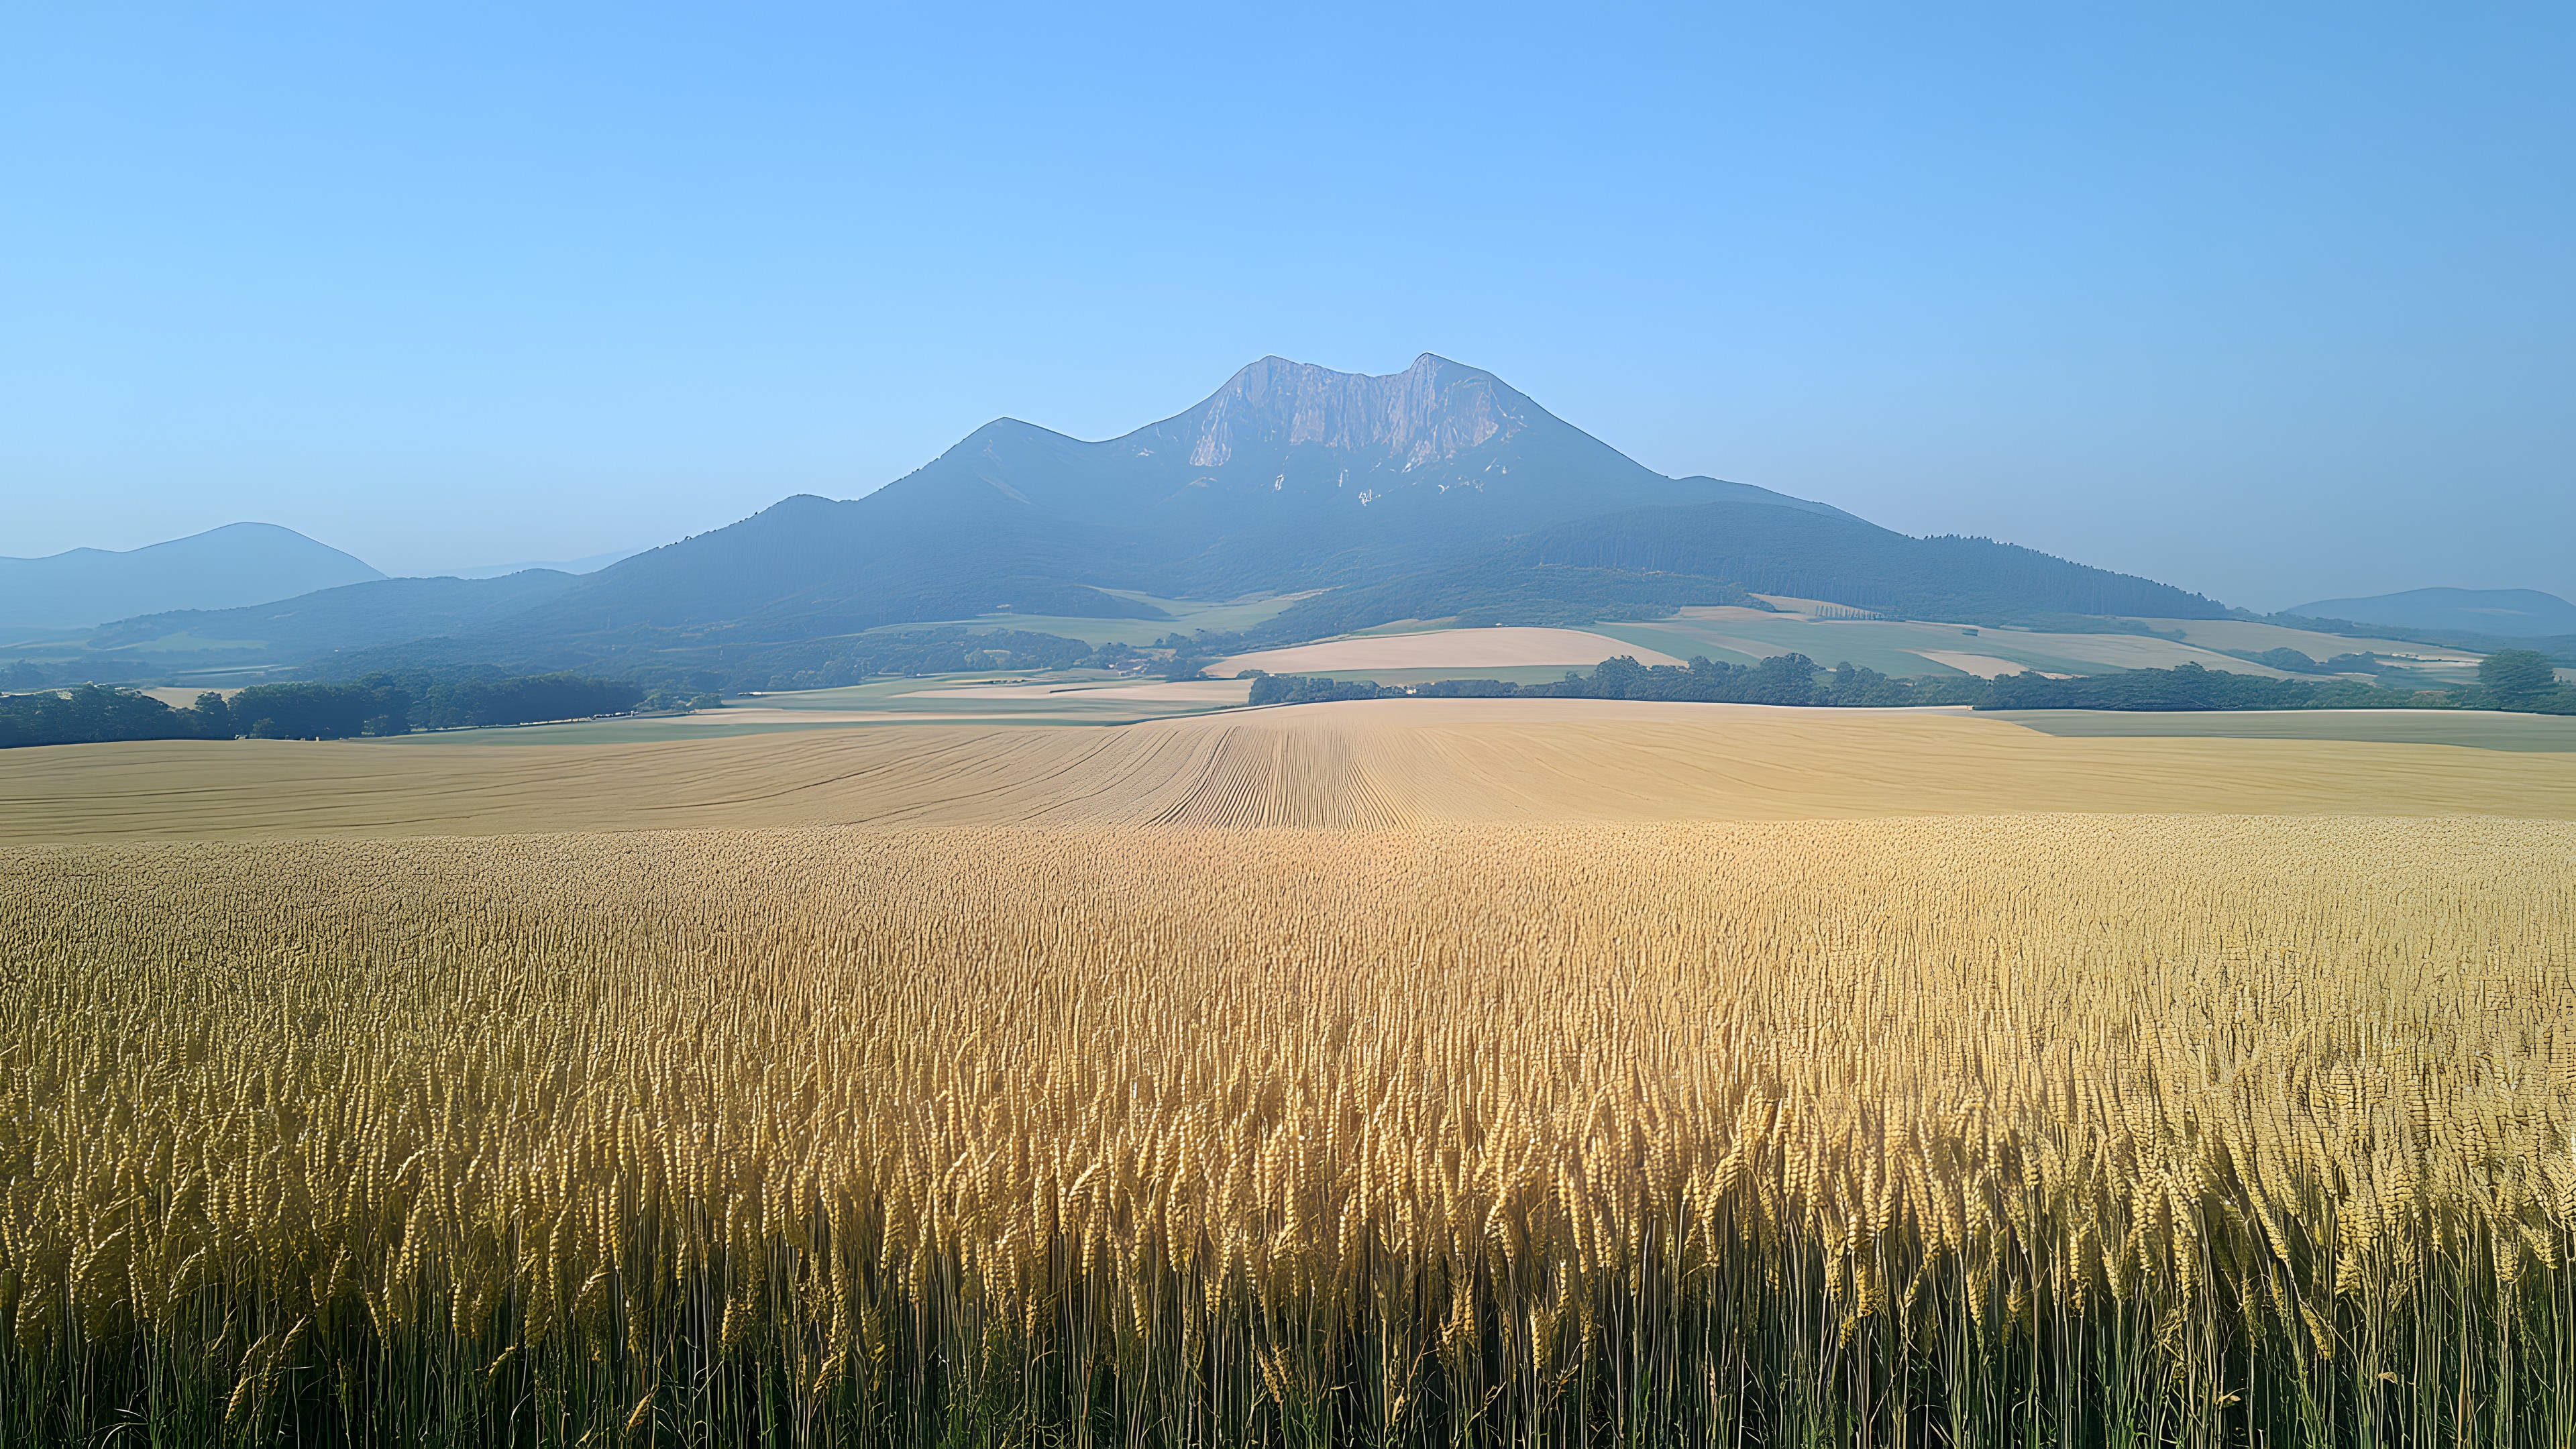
<point x="2270" y="301"/>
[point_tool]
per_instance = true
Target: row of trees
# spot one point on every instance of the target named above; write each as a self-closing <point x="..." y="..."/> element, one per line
<point x="2512" y="679"/>
<point x="2521" y="680"/>
<point x="380" y="704"/>
<point x="835" y="663"/>
<point x="1782" y="679"/>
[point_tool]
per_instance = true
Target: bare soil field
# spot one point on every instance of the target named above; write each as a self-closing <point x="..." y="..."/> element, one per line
<point x="1377" y="763"/>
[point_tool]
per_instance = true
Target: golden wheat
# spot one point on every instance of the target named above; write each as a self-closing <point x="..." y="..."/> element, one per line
<point x="1370" y="764"/>
<point x="2045" y="1128"/>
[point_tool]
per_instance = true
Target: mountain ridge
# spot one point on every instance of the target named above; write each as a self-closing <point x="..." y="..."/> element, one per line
<point x="2504" y="613"/>
<point x="232" y="566"/>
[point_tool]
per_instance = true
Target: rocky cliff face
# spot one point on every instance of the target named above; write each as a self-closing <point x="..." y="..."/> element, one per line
<point x="1429" y="412"/>
<point x="1284" y="471"/>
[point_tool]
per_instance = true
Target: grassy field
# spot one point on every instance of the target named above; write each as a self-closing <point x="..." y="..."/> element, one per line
<point x="2255" y="638"/>
<point x="1182" y="616"/>
<point x="2027" y="1130"/>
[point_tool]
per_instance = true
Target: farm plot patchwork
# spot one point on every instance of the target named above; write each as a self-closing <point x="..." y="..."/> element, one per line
<point x="1904" y="648"/>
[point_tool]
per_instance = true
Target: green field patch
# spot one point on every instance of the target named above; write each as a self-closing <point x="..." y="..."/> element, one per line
<point x="707" y="726"/>
<point x="1880" y="646"/>
<point x="1188" y="616"/>
<point x="187" y="644"/>
<point x="2254" y="638"/>
<point x="1508" y="673"/>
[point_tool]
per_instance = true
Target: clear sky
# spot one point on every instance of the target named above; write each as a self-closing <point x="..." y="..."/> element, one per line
<point x="2273" y="301"/>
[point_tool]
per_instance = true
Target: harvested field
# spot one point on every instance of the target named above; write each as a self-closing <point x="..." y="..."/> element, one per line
<point x="1460" y="649"/>
<point x="1984" y="666"/>
<point x="2011" y="1130"/>
<point x="1387" y="762"/>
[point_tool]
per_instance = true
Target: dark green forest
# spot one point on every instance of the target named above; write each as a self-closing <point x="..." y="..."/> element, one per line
<point x="384" y="704"/>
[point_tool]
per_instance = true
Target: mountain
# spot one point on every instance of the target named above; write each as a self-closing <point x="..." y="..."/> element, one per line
<point x="1849" y="561"/>
<point x="2504" y="613"/>
<point x="240" y="563"/>
<point x="589" y="564"/>
<point x="352" y="616"/>
<point x="1291" y="472"/>
<point x="1288" y="477"/>
<point x="1436" y="492"/>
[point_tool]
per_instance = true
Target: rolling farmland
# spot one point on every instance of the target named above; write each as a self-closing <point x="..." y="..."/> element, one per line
<point x="1393" y="762"/>
<point x="1399" y="1072"/>
<point x="1825" y="633"/>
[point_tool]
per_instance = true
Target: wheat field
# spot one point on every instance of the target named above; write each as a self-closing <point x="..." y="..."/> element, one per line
<point x="1371" y="764"/>
<point x="2030" y="1129"/>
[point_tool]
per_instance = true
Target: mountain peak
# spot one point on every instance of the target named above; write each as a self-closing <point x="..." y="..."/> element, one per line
<point x="1433" y="410"/>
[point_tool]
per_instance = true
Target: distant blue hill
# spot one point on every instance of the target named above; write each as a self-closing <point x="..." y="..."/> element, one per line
<point x="222" y="568"/>
<point x="352" y="616"/>
<point x="589" y="564"/>
<point x="2510" y="613"/>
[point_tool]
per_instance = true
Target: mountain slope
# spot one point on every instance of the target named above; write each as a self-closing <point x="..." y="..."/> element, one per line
<point x="1847" y="561"/>
<point x="2509" y="613"/>
<point x="590" y="564"/>
<point x="352" y="616"/>
<point x="807" y="568"/>
<point x="222" y="568"/>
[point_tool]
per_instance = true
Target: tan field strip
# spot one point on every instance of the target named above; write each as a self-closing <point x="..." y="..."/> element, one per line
<point x="1497" y="648"/>
<point x="1379" y="763"/>
<point x="1984" y="666"/>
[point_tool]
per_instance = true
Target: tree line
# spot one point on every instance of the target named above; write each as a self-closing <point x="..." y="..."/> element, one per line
<point x="2513" y="679"/>
<point x="1791" y="679"/>
<point x="380" y="704"/>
